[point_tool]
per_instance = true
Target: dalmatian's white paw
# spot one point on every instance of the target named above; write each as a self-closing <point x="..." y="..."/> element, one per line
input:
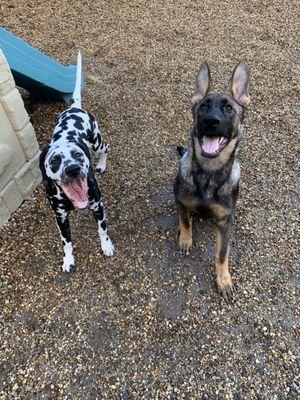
<point x="107" y="247"/>
<point x="68" y="263"/>
<point x="100" y="170"/>
<point x="101" y="165"/>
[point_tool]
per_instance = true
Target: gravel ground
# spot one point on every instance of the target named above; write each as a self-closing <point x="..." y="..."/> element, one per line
<point x="148" y="323"/>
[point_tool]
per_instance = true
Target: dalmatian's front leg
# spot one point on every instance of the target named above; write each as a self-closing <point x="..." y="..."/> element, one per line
<point x="64" y="228"/>
<point x="98" y="211"/>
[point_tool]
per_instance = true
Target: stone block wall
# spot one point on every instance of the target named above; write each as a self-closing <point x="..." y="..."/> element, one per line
<point x="19" y="150"/>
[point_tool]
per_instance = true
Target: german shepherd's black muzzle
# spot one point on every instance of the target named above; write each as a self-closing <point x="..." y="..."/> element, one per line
<point x="209" y="173"/>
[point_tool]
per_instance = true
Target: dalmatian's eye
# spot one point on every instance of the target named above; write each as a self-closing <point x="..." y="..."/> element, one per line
<point x="77" y="154"/>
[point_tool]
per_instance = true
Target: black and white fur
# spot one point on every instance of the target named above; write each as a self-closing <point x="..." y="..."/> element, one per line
<point x="68" y="158"/>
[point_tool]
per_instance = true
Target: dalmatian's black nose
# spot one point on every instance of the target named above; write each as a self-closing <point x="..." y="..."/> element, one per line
<point x="72" y="171"/>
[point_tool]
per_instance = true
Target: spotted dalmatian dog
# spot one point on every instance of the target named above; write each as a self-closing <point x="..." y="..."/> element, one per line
<point x="68" y="175"/>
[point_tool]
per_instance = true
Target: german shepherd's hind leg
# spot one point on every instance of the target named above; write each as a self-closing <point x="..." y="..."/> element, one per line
<point x="224" y="280"/>
<point x="186" y="232"/>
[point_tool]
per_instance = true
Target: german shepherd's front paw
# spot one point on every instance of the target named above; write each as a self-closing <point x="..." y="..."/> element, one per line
<point x="185" y="244"/>
<point x="225" y="286"/>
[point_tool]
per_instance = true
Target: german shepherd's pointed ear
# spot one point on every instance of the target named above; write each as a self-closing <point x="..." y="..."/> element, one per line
<point x="240" y="82"/>
<point x="42" y="167"/>
<point x="203" y="82"/>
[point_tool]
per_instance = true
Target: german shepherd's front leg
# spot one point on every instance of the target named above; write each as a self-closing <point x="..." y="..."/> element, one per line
<point x="185" y="226"/>
<point x="224" y="280"/>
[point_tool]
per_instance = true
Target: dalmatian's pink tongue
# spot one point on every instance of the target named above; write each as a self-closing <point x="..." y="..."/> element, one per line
<point x="76" y="191"/>
<point x="210" y="145"/>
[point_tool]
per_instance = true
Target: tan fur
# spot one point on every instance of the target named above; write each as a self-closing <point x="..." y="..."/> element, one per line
<point x="219" y="211"/>
<point x="186" y="235"/>
<point x="190" y="203"/>
<point x="222" y="270"/>
<point x="213" y="164"/>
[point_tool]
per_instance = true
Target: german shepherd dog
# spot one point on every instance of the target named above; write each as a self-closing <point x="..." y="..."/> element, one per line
<point x="207" y="183"/>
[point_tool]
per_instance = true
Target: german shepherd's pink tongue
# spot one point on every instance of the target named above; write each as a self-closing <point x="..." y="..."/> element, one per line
<point x="76" y="190"/>
<point x="210" y="145"/>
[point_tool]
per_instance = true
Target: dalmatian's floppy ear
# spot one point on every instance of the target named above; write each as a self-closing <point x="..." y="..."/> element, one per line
<point x="45" y="178"/>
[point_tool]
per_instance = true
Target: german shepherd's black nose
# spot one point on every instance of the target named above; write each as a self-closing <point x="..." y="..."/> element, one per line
<point x="211" y="122"/>
<point x="72" y="170"/>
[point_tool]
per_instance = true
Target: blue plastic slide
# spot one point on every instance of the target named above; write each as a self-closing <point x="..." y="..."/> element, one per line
<point x="36" y="72"/>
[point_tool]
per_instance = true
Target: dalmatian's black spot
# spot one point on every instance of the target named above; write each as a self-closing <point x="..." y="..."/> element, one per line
<point x="103" y="225"/>
<point x="78" y="125"/>
<point x="63" y="126"/>
<point x="85" y="149"/>
<point x="61" y="116"/>
<point x="80" y="141"/>
<point x="76" y="118"/>
<point x="55" y="163"/>
<point x="90" y="136"/>
<point x="75" y="110"/>
<point x="91" y="117"/>
<point x="57" y="135"/>
<point x="71" y="135"/>
<point x="93" y="123"/>
<point x="82" y="135"/>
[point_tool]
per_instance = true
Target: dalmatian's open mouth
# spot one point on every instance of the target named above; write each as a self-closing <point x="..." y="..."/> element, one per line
<point x="212" y="146"/>
<point x="77" y="191"/>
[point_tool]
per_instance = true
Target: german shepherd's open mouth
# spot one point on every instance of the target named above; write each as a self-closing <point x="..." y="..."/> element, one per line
<point x="211" y="146"/>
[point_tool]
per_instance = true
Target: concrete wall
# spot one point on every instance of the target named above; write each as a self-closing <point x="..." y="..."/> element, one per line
<point x="19" y="150"/>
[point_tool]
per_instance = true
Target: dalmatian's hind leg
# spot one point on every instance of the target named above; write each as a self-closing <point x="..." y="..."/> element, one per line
<point x="101" y="165"/>
<point x="106" y="244"/>
<point x="99" y="147"/>
<point x="97" y="208"/>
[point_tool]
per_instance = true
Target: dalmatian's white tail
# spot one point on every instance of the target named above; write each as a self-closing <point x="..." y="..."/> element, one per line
<point x="77" y="89"/>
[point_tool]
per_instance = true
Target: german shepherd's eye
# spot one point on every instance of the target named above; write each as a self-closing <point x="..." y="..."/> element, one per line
<point x="228" y="107"/>
<point x="203" y="107"/>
